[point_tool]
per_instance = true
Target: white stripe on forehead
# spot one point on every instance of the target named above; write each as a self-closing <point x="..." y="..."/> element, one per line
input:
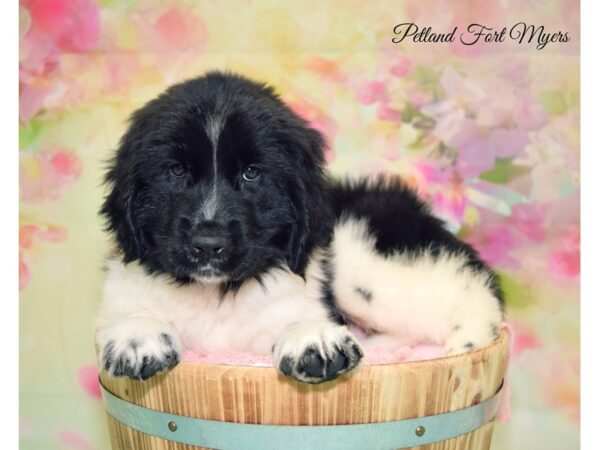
<point x="213" y="124"/>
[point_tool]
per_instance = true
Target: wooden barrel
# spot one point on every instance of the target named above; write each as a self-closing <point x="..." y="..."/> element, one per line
<point x="378" y="395"/>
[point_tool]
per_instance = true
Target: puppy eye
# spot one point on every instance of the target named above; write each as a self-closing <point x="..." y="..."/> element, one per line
<point x="178" y="170"/>
<point x="251" y="173"/>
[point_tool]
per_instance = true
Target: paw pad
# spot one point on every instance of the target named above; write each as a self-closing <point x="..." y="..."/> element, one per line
<point x="317" y="360"/>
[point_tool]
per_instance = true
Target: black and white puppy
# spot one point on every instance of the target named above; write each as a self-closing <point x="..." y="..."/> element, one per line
<point x="230" y="237"/>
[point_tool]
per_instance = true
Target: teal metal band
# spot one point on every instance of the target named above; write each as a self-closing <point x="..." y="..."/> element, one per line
<point x="372" y="436"/>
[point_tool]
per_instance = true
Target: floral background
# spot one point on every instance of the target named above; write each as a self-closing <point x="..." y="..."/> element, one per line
<point x="489" y="134"/>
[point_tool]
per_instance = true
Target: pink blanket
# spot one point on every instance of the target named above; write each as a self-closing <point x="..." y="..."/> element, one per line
<point x="373" y="356"/>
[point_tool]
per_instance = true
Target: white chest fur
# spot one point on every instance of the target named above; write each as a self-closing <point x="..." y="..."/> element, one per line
<point x="248" y="320"/>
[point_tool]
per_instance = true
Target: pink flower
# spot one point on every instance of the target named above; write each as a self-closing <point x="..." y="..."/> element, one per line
<point x="180" y="30"/>
<point x="45" y="175"/>
<point x="29" y="235"/>
<point x="495" y="244"/>
<point x="74" y="440"/>
<point x="431" y="174"/>
<point x="530" y="220"/>
<point x="483" y="119"/>
<point x="65" y="164"/>
<point x="524" y="339"/>
<point x="53" y="27"/>
<point x="565" y="261"/>
<point x="506" y="142"/>
<point x="24" y="272"/>
<point x="56" y="26"/>
<point x="71" y="25"/>
<point x="384" y="112"/>
<point x="474" y="158"/>
<point x="87" y="376"/>
<point x="565" y="264"/>
<point x="427" y="179"/>
<point x="31" y="99"/>
<point x="401" y="67"/>
<point x="479" y="148"/>
<point x="371" y="92"/>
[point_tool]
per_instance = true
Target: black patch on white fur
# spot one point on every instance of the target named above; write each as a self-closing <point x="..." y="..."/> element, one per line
<point x="402" y="223"/>
<point x="166" y="339"/>
<point x="286" y="366"/>
<point x="327" y="295"/>
<point x="155" y="211"/>
<point x="495" y="330"/>
<point x="121" y="364"/>
<point x="364" y="293"/>
<point x="108" y="355"/>
<point x="164" y="170"/>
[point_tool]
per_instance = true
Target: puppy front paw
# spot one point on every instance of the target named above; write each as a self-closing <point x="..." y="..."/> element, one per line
<point x="315" y="352"/>
<point x="138" y="350"/>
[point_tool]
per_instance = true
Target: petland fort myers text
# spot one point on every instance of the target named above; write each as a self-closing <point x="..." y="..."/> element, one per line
<point x="521" y="32"/>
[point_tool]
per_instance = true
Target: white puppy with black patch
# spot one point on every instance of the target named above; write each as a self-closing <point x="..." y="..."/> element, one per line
<point x="230" y="237"/>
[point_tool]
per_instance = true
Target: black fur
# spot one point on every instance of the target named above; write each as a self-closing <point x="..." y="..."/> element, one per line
<point x="401" y="222"/>
<point x="327" y="295"/>
<point x="122" y="364"/>
<point x="314" y="368"/>
<point x="164" y="171"/>
<point x="364" y="293"/>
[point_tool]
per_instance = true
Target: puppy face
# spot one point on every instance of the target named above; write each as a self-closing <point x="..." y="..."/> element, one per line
<point x="217" y="181"/>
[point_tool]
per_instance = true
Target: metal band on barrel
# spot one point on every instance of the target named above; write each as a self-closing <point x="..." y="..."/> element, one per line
<point x="233" y="436"/>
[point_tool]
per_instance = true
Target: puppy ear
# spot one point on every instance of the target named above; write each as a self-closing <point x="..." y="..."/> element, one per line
<point x="313" y="216"/>
<point x="122" y="202"/>
<point x="119" y="211"/>
<point x="297" y="251"/>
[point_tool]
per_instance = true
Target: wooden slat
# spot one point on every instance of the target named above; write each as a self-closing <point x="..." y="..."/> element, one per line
<point x="371" y="394"/>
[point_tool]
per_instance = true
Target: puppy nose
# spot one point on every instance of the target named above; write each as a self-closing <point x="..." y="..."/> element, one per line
<point x="210" y="246"/>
